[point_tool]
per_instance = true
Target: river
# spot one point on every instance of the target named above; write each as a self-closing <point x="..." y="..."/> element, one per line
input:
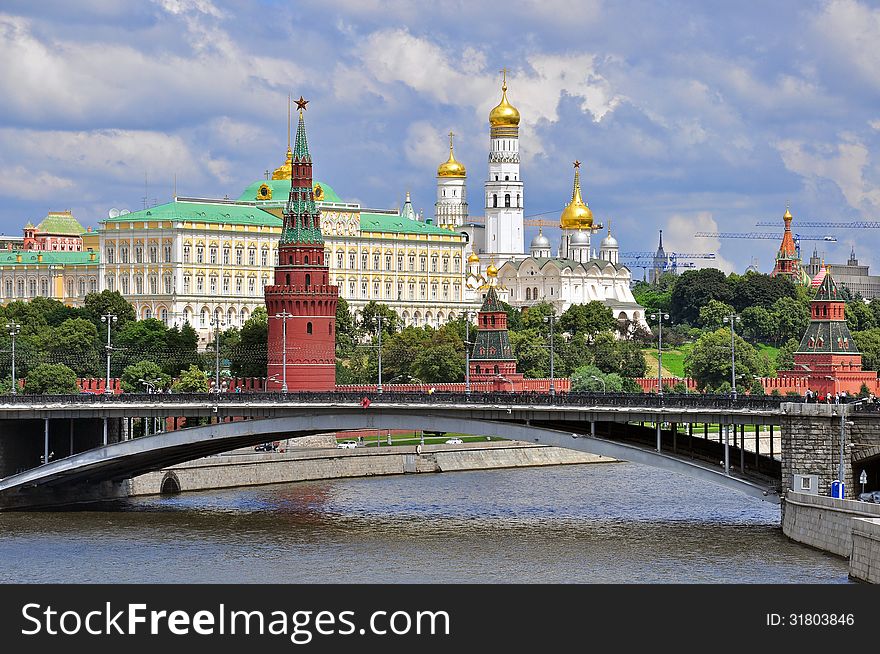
<point x="602" y="523"/>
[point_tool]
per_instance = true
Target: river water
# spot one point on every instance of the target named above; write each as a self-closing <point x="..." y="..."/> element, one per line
<point x="603" y="523"/>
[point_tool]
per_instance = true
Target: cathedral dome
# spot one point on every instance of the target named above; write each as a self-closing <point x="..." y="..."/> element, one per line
<point x="474" y="258"/>
<point x="577" y="215"/>
<point x="540" y="242"/>
<point x="451" y="167"/>
<point x="579" y="238"/>
<point x="609" y="241"/>
<point x="492" y="271"/>
<point x="505" y="114"/>
<point x="284" y="170"/>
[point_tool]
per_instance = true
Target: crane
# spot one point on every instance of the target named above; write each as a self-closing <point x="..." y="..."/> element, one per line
<point x="671" y="265"/>
<point x="834" y="224"/>
<point x="764" y="235"/>
<point x="677" y="255"/>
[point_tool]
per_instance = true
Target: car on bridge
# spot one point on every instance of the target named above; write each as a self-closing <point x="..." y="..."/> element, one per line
<point x="267" y="447"/>
<point x="454" y="441"/>
<point x="346" y="445"/>
<point x="870" y="496"/>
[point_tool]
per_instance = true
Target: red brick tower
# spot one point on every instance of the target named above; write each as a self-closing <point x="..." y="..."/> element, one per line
<point x="788" y="259"/>
<point x="301" y="302"/>
<point x="492" y="358"/>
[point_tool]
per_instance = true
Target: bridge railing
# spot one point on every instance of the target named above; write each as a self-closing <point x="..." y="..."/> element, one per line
<point x="644" y="400"/>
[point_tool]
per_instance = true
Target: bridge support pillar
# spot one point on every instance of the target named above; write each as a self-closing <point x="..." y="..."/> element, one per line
<point x="45" y="440"/>
<point x="726" y="429"/>
<point x="658" y="434"/>
<point x="105" y="431"/>
<point x="742" y="448"/>
<point x="706" y="430"/>
<point x="674" y="437"/>
<point x="593" y="428"/>
<point x="771" y="441"/>
<point x="71" y="437"/>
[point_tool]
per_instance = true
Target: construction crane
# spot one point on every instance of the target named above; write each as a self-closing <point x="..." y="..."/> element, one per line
<point x="765" y="236"/>
<point x="671" y="255"/>
<point x="858" y="224"/>
<point x="670" y="266"/>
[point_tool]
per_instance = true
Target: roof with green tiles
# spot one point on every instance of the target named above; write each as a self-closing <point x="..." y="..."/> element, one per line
<point x="30" y="258"/>
<point x="393" y="223"/>
<point x="491" y="302"/>
<point x="281" y="191"/>
<point x="60" y="222"/>
<point x="203" y="212"/>
<point x="827" y="336"/>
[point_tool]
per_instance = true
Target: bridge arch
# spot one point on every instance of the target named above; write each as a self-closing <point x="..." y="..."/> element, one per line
<point x="132" y="457"/>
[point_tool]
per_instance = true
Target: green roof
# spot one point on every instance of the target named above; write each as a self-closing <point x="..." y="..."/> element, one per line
<point x="491" y="303"/>
<point x="204" y="212"/>
<point x="60" y="223"/>
<point x="29" y="258"/>
<point x="828" y="290"/>
<point x="281" y="191"/>
<point x="563" y="262"/>
<point x="379" y="222"/>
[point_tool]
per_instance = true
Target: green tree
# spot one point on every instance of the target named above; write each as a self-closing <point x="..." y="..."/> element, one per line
<point x="51" y="379"/>
<point x="570" y="354"/>
<point x="249" y="357"/>
<point x="192" y="380"/>
<point x="533" y="317"/>
<point x="785" y="356"/>
<point x="142" y="339"/>
<point x="712" y="314"/>
<point x="532" y="353"/>
<point x="757" y="387"/>
<point x="757" y="324"/>
<point x="96" y="305"/>
<point x="756" y="289"/>
<point x="709" y="361"/>
<point x="588" y="379"/>
<point x="791" y="318"/>
<point x="589" y="319"/>
<point x="514" y="317"/>
<point x="400" y="350"/>
<point x="370" y="319"/>
<point x="868" y="343"/>
<point x="693" y="290"/>
<point x="651" y="297"/>
<point x="149" y="371"/>
<point x="346" y="330"/>
<point x="632" y="359"/>
<point x="606" y="353"/>
<point x="183" y="348"/>
<point x="874" y="306"/>
<point x="442" y="362"/>
<point x="859" y="316"/>
<point x="73" y="342"/>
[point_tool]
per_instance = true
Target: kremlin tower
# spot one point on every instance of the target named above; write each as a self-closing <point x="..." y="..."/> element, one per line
<point x="504" y="188"/>
<point x="788" y="259"/>
<point x="301" y="303"/>
<point x="492" y="358"/>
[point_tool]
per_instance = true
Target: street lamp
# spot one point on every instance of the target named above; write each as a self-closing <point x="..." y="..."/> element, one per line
<point x="552" y="320"/>
<point x="283" y="315"/>
<point x="599" y="379"/>
<point x="110" y="319"/>
<point x="13" y="328"/>
<point x="660" y="317"/>
<point x="467" y="352"/>
<point x="732" y="319"/>
<point x="217" y="323"/>
<point x="379" y="346"/>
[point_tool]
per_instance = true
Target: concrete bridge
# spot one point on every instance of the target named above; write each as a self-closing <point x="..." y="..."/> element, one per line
<point x="664" y="431"/>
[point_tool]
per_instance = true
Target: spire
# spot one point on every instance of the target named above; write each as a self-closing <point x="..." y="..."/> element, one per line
<point x="301" y="147"/>
<point x="301" y="222"/>
<point x="288" y="122"/>
<point x="660" y="249"/>
<point x="577" y="215"/>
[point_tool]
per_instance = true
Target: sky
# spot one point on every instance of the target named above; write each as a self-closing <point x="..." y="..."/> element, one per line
<point x="686" y="116"/>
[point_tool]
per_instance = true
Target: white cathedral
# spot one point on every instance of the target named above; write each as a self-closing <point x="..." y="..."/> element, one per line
<point x="576" y="275"/>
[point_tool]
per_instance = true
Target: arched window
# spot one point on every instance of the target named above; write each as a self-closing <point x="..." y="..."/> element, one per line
<point x="306" y="260"/>
<point x="308" y="328"/>
<point x="288" y="279"/>
<point x="528" y="294"/>
<point x="494" y="199"/>
<point x="507" y="199"/>
<point x="518" y="200"/>
<point x="308" y="280"/>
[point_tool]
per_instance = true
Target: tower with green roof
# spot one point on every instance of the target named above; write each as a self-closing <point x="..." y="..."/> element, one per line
<point x="301" y="303"/>
<point x="492" y="357"/>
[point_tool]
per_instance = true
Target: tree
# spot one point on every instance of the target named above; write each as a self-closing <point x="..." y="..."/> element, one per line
<point x="96" y="305"/>
<point x="370" y="319"/>
<point x="149" y="371"/>
<point x="785" y="356"/>
<point x="570" y="354"/>
<point x="587" y="379"/>
<point x="757" y="324"/>
<point x="399" y="351"/>
<point x="713" y="313"/>
<point x="514" y="317"/>
<point x="709" y="361"/>
<point x="693" y="290"/>
<point x="442" y="362"/>
<point x="183" y="347"/>
<point x="532" y="354"/>
<point x="606" y="353"/>
<point x="249" y="357"/>
<point x="652" y="297"/>
<point x="756" y="289"/>
<point x="868" y="343"/>
<point x="757" y="387"/>
<point x="533" y="317"/>
<point x="632" y="359"/>
<point x="589" y="319"/>
<point x="859" y="317"/>
<point x="346" y="330"/>
<point x="51" y="379"/>
<point x="142" y="339"/>
<point x="791" y="318"/>
<point x="192" y="380"/>
<point x="74" y="342"/>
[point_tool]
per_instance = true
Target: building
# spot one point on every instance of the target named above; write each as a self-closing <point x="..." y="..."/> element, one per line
<point x="59" y="231"/>
<point x="492" y="356"/>
<point x="65" y="276"/>
<point x="827" y="354"/>
<point x="451" y="208"/>
<point x="576" y="275"/>
<point x="301" y="303"/>
<point x="854" y="276"/>
<point x="661" y="263"/>
<point x="788" y="258"/>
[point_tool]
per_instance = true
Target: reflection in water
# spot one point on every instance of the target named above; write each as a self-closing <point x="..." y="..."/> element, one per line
<point x="608" y="523"/>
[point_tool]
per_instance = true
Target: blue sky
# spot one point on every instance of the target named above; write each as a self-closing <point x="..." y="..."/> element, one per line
<point x="687" y="116"/>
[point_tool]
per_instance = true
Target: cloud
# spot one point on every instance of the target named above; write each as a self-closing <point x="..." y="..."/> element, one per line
<point x="678" y="236"/>
<point x="20" y="182"/>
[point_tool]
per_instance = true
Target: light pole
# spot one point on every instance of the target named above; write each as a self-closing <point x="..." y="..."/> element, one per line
<point x="284" y="315"/>
<point x="599" y="379"/>
<point x="13" y="328"/>
<point x="217" y="323"/>
<point x="379" y="387"/>
<point x="660" y="317"/>
<point x="467" y="352"/>
<point x="551" y="319"/>
<point x="110" y="319"/>
<point x="732" y="319"/>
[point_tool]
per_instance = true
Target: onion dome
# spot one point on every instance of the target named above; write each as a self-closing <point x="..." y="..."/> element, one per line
<point x="540" y="241"/>
<point x="577" y="214"/>
<point x="474" y="258"/>
<point x="451" y="167"/>
<point x="505" y="114"/>
<point x="284" y="170"/>
<point x="609" y="241"/>
<point x="579" y="238"/>
<point x="492" y="271"/>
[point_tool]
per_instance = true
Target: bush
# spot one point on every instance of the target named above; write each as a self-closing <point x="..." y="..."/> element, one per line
<point x="51" y="379"/>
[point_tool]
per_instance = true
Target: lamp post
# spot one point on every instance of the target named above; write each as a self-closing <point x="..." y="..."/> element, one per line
<point x="110" y="319"/>
<point x="379" y="349"/>
<point x="467" y="352"/>
<point x="599" y="379"/>
<point x="217" y="323"/>
<point x="551" y="319"/>
<point x="732" y="319"/>
<point x="283" y="315"/>
<point x="13" y="328"/>
<point x="660" y="317"/>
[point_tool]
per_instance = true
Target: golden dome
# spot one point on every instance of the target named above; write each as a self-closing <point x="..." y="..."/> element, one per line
<point x="787" y="213"/>
<point x="451" y="167"/>
<point x="505" y="114"/>
<point x="577" y="214"/>
<point x="474" y="258"/>
<point x="492" y="271"/>
<point x="284" y="171"/>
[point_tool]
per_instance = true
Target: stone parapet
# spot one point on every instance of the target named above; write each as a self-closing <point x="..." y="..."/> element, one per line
<point x="864" y="562"/>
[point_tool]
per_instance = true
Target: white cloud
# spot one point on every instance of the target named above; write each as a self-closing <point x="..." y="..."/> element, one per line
<point x="678" y="236"/>
<point x="425" y="142"/>
<point x="20" y="182"/>
<point x="178" y="7"/>
<point x="849" y="31"/>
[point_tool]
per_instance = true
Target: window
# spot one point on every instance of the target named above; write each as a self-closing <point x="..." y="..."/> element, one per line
<point x="147" y="314"/>
<point x="204" y="317"/>
<point x="110" y="253"/>
<point x="32" y="287"/>
<point x="109" y="283"/>
<point x="423" y="263"/>
<point x="186" y="283"/>
<point x="507" y="199"/>
<point x="93" y="286"/>
<point x="238" y="285"/>
<point x="200" y="285"/>
<point x="308" y="328"/>
<point x="138" y="285"/>
<point x="264" y="257"/>
<point x="517" y="201"/>
<point x="154" y="254"/>
<point x="167" y="253"/>
<point x="351" y="289"/>
<point x="239" y="256"/>
<point x="164" y="315"/>
<point x="363" y="261"/>
<point x="308" y="280"/>
<point x="186" y="249"/>
<point x="212" y="254"/>
<point x="445" y="291"/>
<point x="423" y="290"/>
<point x="21" y="288"/>
<point x="446" y="264"/>
<point x="169" y="284"/>
<point x="375" y="289"/>
<point x="433" y="291"/>
<point x="123" y="254"/>
<point x="412" y="291"/>
<point x="226" y="256"/>
<point x="434" y="263"/>
<point x="412" y="262"/>
<point x="387" y="262"/>
<point x="387" y="290"/>
<point x="225" y="285"/>
<point x="339" y="259"/>
<point x="375" y="261"/>
<point x="200" y="254"/>
<point x="123" y="282"/>
<point x="400" y="262"/>
<point x="213" y="284"/>
<point x="351" y="260"/>
<point x="363" y="289"/>
<point x="8" y="288"/>
<point x="154" y="285"/>
<point x="495" y="198"/>
<point x="138" y="253"/>
<point x="252" y="286"/>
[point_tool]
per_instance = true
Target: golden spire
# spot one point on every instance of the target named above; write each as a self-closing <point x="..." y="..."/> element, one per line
<point x="577" y="215"/>
<point x="451" y="167"/>
<point x="505" y="114"/>
<point x="283" y="171"/>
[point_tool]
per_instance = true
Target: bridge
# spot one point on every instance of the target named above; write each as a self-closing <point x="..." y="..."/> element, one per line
<point x="639" y="428"/>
